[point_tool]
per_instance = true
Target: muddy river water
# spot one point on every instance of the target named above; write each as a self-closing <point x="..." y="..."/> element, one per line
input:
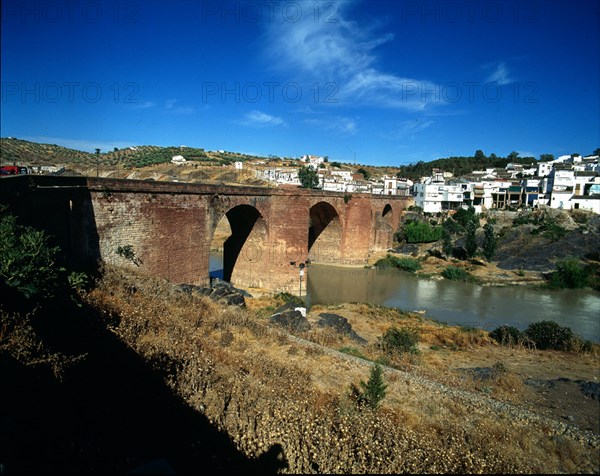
<point x="457" y="303"/>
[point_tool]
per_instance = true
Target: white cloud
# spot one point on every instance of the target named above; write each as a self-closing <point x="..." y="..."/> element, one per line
<point x="144" y="105"/>
<point x="500" y="75"/>
<point x="261" y="119"/>
<point x="172" y="109"/>
<point x="343" y="52"/>
<point x="344" y="125"/>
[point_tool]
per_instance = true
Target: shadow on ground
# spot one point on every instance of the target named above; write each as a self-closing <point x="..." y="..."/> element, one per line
<point x="111" y="413"/>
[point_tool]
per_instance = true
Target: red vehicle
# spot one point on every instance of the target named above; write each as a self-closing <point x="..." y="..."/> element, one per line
<point x="12" y="170"/>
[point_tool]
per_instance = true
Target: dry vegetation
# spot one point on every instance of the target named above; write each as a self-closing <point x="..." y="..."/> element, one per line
<point x="269" y="389"/>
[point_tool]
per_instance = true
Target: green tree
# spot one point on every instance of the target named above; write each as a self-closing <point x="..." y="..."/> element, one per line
<point x="471" y="240"/>
<point x="479" y="155"/>
<point x="366" y="174"/>
<point x="546" y="157"/>
<point x="489" y="241"/>
<point x="596" y="152"/>
<point x="373" y="391"/>
<point x="447" y="242"/>
<point x="513" y="156"/>
<point x="309" y="178"/>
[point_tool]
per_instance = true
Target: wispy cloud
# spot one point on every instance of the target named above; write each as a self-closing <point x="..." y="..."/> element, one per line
<point x="408" y="129"/>
<point x="261" y="119"/>
<point x="340" y="124"/>
<point x="340" y="51"/>
<point x="173" y="109"/>
<point x="144" y="105"/>
<point x="500" y="75"/>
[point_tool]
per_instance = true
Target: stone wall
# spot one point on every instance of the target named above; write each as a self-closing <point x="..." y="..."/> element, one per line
<point x="170" y="226"/>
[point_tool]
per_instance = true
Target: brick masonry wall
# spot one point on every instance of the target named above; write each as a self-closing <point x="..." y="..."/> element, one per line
<point x="170" y="225"/>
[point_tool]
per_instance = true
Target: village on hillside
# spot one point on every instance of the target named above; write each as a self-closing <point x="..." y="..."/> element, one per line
<point x="568" y="182"/>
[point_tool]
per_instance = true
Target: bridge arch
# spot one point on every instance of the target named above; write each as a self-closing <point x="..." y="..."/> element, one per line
<point x="384" y="232"/>
<point x="324" y="233"/>
<point x="243" y="248"/>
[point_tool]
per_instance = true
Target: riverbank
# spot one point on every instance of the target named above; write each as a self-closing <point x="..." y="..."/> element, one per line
<point x="232" y="390"/>
<point x="463" y="403"/>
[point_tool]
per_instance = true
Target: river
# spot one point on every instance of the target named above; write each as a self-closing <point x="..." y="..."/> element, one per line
<point x="452" y="302"/>
<point x="457" y="303"/>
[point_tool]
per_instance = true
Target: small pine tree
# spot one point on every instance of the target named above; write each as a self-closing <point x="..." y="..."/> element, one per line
<point x="374" y="390"/>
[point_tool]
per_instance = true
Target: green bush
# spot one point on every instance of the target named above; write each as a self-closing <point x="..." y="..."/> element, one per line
<point x="457" y="274"/>
<point x="550" y="335"/>
<point x="570" y="273"/>
<point x="399" y="341"/>
<point x="422" y="232"/>
<point x="507" y="335"/>
<point x="392" y="262"/>
<point x="465" y="216"/>
<point x="452" y="226"/>
<point x="28" y="262"/>
<point x="550" y="229"/>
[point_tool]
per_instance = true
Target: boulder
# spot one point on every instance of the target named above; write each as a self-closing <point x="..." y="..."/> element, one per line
<point x="340" y="324"/>
<point x="291" y="319"/>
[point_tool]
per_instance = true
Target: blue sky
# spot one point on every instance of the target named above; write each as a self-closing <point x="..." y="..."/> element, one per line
<point x="371" y="82"/>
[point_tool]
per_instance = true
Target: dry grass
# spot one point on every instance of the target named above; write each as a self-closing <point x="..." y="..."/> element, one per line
<point x="264" y="388"/>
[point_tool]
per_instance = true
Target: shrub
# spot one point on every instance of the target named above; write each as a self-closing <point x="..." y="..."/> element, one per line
<point x="399" y="341"/>
<point x="452" y="226"/>
<point x="465" y="216"/>
<point x="457" y="274"/>
<point x="550" y="335"/>
<point x="570" y="273"/>
<point x="392" y="262"/>
<point x="28" y="262"/>
<point x="422" y="232"/>
<point x="507" y="335"/>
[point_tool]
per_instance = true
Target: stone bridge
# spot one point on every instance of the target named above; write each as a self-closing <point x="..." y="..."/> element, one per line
<point x="169" y="226"/>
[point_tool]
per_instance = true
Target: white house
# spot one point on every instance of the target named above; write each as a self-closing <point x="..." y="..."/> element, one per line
<point x="433" y="195"/>
<point x="178" y="159"/>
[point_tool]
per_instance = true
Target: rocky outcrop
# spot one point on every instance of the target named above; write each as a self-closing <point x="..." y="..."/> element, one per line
<point x="340" y="324"/>
<point x="219" y="291"/>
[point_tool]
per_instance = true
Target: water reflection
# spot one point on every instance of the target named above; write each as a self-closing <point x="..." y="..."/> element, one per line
<point x="457" y="303"/>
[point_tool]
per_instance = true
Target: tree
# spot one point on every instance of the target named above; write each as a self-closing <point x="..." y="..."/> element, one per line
<point x="366" y="174"/>
<point x="596" y="152"/>
<point x="373" y="391"/>
<point x="513" y="155"/>
<point x="309" y="178"/>
<point x="546" y="157"/>
<point x="471" y="240"/>
<point x="493" y="156"/>
<point x="447" y="242"/>
<point x="489" y="241"/>
<point x="479" y="155"/>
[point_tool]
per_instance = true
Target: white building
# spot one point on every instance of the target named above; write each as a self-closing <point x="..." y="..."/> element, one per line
<point x="433" y="195"/>
<point x="177" y="159"/>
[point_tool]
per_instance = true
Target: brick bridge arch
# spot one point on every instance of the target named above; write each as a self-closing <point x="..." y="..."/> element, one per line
<point x="171" y="225"/>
